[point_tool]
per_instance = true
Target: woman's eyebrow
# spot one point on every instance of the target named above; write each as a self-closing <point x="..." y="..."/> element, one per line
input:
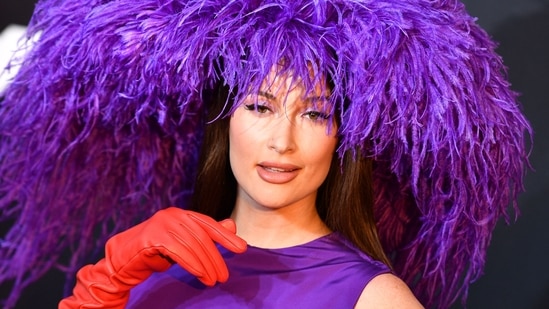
<point x="322" y="102"/>
<point x="267" y="95"/>
<point x="318" y="98"/>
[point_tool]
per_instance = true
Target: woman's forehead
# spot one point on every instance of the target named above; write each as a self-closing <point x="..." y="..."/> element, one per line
<point x="280" y="80"/>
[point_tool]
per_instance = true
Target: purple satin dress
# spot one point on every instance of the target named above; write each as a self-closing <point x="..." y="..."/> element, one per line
<point x="327" y="272"/>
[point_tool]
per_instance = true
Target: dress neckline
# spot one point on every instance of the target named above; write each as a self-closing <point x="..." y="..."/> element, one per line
<point x="305" y="244"/>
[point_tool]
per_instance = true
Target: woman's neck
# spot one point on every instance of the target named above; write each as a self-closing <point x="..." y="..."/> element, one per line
<point x="279" y="227"/>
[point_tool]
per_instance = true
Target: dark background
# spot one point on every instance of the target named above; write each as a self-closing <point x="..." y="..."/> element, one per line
<point x="517" y="268"/>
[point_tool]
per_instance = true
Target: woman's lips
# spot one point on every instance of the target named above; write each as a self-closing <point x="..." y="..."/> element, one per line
<point x="276" y="173"/>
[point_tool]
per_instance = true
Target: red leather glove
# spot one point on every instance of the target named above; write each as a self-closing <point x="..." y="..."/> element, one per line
<point x="171" y="235"/>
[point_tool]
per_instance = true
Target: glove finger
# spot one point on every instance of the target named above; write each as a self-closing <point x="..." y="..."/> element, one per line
<point x="205" y="250"/>
<point x="223" y="236"/>
<point x="186" y="253"/>
<point x="179" y="241"/>
<point x="229" y="225"/>
<point x="195" y="234"/>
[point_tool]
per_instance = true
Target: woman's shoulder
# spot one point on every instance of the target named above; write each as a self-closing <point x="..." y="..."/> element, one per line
<point x="382" y="289"/>
<point x="341" y="248"/>
<point x="387" y="291"/>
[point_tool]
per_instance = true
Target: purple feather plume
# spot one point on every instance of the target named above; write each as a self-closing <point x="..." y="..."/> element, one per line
<point x="101" y="126"/>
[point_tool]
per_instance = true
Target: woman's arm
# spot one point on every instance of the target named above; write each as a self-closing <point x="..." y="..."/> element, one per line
<point x="172" y="235"/>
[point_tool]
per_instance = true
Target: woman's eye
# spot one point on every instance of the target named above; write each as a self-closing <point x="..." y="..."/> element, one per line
<point x="316" y="116"/>
<point x="262" y="109"/>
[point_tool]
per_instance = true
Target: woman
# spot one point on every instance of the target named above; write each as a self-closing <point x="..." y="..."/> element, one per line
<point x="280" y="144"/>
<point x="113" y="96"/>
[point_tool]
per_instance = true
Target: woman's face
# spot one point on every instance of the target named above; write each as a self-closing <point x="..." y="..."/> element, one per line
<point x="280" y="144"/>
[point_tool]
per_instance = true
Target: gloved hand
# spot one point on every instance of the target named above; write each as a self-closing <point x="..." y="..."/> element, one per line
<point x="171" y="235"/>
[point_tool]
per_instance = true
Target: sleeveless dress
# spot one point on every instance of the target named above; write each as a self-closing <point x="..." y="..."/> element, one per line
<point x="328" y="272"/>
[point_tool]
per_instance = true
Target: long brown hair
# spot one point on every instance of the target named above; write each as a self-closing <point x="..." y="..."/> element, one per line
<point x="344" y="201"/>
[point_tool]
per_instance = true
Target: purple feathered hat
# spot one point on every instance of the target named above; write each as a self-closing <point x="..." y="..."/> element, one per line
<point x="101" y="127"/>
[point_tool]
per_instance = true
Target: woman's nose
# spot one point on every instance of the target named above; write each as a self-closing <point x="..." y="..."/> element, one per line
<point x="282" y="138"/>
